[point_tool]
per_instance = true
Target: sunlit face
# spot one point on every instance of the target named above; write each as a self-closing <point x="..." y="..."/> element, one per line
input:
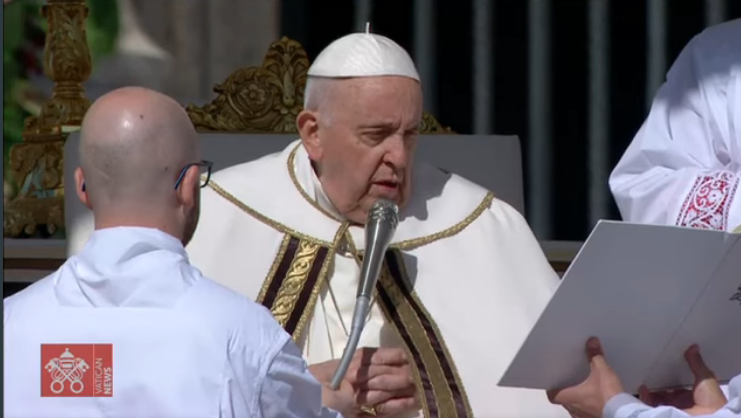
<point x="364" y="141"/>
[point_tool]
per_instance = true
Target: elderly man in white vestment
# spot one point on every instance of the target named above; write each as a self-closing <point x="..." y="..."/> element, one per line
<point x="684" y="165"/>
<point x="464" y="279"/>
<point x="128" y="328"/>
<point x="601" y="394"/>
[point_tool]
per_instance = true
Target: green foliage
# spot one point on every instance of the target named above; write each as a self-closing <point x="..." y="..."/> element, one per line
<point x="14" y="37"/>
<point x="102" y="27"/>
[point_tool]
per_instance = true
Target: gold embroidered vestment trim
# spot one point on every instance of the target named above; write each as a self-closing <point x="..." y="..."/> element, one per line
<point x="292" y="286"/>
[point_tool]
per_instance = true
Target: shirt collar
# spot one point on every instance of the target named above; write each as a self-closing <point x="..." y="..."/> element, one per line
<point x="308" y="180"/>
<point x="126" y="267"/>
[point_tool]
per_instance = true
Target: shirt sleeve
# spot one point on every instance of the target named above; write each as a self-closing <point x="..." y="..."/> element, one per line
<point x="265" y="375"/>
<point x="290" y="390"/>
<point x="627" y="406"/>
<point x="680" y="168"/>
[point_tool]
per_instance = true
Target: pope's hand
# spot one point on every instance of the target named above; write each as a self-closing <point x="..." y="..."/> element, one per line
<point x="588" y="399"/>
<point x="378" y="379"/>
<point x="706" y="396"/>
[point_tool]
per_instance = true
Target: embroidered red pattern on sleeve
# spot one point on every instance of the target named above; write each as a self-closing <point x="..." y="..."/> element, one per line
<point x="709" y="200"/>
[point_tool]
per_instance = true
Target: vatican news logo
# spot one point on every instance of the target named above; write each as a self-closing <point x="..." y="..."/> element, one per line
<point x="77" y="370"/>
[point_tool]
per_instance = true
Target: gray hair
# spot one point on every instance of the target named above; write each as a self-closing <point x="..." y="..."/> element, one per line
<point x="317" y="92"/>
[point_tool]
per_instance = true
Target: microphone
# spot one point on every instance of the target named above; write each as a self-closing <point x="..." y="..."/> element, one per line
<point x="380" y="226"/>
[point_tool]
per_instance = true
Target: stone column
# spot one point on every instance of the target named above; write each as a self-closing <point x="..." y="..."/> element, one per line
<point x="208" y="39"/>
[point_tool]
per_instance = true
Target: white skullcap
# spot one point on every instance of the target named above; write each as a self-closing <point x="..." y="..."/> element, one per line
<point x="363" y="55"/>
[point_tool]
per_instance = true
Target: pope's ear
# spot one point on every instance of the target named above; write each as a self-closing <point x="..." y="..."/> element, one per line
<point x="308" y="127"/>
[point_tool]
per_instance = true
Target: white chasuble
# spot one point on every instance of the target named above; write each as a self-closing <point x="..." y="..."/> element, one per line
<point x="684" y="164"/>
<point x="463" y="281"/>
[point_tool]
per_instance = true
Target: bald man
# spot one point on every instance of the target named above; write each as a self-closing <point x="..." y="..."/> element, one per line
<point x="128" y="328"/>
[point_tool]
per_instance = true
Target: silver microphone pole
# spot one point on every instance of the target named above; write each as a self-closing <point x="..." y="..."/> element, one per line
<point x="379" y="229"/>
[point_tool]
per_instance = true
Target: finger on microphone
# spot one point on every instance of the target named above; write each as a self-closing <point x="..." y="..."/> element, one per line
<point x="386" y="382"/>
<point x="376" y="397"/>
<point x="365" y="373"/>
<point x="389" y="356"/>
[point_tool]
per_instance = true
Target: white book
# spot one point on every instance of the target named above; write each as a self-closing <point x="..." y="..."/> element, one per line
<point x="647" y="292"/>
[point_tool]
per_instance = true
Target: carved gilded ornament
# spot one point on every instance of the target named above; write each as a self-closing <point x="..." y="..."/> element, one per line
<point x="267" y="99"/>
<point x="35" y="203"/>
<point x="259" y="99"/>
<point x="38" y="203"/>
<point x="67" y="62"/>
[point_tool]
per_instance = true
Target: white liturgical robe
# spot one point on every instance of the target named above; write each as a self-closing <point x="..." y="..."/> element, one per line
<point x="463" y="283"/>
<point x="128" y="328"/>
<point x="684" y="164"/>
<point x="626" y="406"/>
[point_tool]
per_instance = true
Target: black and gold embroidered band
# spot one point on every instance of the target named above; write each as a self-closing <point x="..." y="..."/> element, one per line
<point x="443" y="393"/>
<point x="294" y="281"/>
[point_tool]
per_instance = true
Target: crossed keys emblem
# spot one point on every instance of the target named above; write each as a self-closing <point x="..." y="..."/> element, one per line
<point x="67" y="368"/>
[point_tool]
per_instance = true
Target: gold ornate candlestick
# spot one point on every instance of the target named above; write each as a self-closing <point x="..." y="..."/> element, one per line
<point x="67" y="63"/>
<point x="36" y="164"/>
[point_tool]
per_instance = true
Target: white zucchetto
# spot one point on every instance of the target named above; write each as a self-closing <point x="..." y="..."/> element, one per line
<point x="363" y="55"/>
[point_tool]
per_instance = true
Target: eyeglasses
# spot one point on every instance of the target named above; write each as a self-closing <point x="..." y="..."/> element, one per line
<point x="205" y="176"/>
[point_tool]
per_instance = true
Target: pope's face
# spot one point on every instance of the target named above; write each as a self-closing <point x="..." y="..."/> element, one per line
<point x="366" y="137"/>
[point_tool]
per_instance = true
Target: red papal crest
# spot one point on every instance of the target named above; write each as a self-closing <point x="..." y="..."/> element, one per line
<point x="77" y="370"/>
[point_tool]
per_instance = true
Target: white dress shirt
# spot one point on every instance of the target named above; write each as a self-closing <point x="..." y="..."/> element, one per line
<point x="627" y="406"/>
<point x="182" y="345"/>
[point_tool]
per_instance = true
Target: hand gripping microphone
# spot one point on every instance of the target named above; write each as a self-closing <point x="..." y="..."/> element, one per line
<point x="380" y="226"/>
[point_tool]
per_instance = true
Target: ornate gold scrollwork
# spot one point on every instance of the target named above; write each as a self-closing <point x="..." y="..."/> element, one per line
<point x="67" y="62"/>
<point x="259" y="99"/>
<point x="430" y="125"/>
<point x="36" y="165"/>
<point x="267" y="99"/>
<point x="38" y="205"/>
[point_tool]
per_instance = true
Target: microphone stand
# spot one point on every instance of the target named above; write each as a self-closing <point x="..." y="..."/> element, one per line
<point x="362" y="307"/>
<point x="379" y="229"/>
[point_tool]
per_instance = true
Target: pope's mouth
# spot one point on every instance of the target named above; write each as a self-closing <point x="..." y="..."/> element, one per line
<point x="387" y="189"/>
<point x="387" y="185"/>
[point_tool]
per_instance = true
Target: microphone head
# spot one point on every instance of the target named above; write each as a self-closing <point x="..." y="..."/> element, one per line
<point x="384" y="210"/>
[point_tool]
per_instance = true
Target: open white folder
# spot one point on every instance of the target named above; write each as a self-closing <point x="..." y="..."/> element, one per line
<point x="647" y="292"/>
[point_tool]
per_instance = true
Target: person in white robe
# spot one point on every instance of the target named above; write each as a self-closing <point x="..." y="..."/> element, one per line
<point x="128" y="327"/>
<point x="464" y="279"/>
<point x="601" y="394"/>
<point x="684" y="164"/>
